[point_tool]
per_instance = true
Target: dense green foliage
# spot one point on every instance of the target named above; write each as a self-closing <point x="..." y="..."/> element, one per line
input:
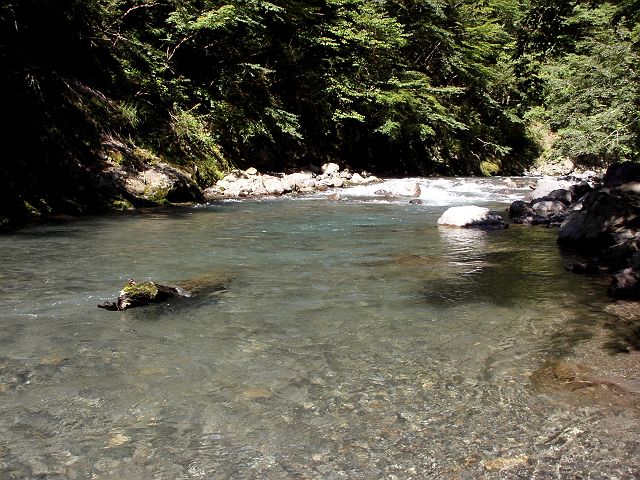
<point x="393" y="86"/>
<point x="588" y="94"/>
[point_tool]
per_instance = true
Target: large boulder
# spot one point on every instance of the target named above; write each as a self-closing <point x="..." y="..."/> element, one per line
<point x="212" y="193"/>
<point x="161" y="183"/>
<point x="363" y="179"/>
<point x="471" y="216"/>
<point x="519" y="209"/>
<point x="296" y="181"/>
<point x="547" y="185"/>
<point x="621" y="173"/>
<point x="407" y="189"/>
<point x="547" y="207"/>
<point x="333" y="181"/>
<point x="330" y="168"/>
<point x="561" y="167"/>
<point x="273" y="185"/>
<point x="579" y="190"/>
<point x="357" y="179"/>
<point x="560" y="195"/>
<point x="602" y="214"/>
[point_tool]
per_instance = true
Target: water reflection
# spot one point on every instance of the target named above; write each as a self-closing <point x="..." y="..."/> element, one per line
<point x="463" y="239"/>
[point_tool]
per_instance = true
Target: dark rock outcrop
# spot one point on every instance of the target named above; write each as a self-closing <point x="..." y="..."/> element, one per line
<point x="604" y="212"/>
<point x="601" y="223"/>
<point x="620" y="174"/>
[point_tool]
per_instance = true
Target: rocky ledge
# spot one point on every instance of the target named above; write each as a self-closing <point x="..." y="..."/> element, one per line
<point x="251" y="183"/>
<point x="599" y="219"/>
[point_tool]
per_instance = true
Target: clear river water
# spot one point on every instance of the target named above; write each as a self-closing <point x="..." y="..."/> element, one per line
<point x="353" y="339"/>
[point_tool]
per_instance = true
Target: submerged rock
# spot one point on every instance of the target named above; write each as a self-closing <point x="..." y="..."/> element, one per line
<point x="561" y="376"/>
<point x="472" y="216"/>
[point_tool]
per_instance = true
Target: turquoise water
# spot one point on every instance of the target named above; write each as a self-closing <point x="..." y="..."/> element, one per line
<point x="354" y="339"/>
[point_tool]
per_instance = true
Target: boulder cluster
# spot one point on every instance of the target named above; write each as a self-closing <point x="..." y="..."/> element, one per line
<point x="151" y="184"/>
<point x="551" y="202"/>
<point x="250" y="182"/>
<point x="599" y="220"/>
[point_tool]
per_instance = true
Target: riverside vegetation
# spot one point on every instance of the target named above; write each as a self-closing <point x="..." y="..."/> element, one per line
<point x="105" y="99"/>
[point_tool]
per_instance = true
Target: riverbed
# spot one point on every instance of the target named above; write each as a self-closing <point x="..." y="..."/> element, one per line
<point x="353" y="339"/>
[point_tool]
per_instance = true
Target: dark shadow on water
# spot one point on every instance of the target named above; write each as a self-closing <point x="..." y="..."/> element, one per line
<point x="625" y="335"/>
<point x="503" y="278"/>
<point x="576" y="329"/>
<point x="68" y="225"/>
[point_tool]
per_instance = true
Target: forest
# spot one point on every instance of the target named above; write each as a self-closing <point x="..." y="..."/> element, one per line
<point x="396" y="87"/>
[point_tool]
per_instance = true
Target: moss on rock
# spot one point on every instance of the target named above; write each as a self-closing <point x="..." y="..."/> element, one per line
<point x="121" y="204"/>
<point x="140" y="291"/>
<point x="489" y="168"/>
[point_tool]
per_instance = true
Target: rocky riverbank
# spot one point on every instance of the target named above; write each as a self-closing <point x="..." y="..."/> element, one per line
<point x="159" y="184"/>
<point x="599" y="219"/>
<point x="251" y="183"/>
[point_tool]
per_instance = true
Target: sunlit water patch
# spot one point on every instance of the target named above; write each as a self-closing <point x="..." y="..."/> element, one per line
<point x="354" y="340"/>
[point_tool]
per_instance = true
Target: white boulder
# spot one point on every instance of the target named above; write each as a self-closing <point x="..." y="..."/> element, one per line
<point x="471" y="216"/>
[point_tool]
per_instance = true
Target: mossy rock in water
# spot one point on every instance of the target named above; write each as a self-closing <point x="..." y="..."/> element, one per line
<point x="489" y="168"/>
<point x="134" y="294"/>
<point x="121" y="204"/>
<point x="144" y="291"/>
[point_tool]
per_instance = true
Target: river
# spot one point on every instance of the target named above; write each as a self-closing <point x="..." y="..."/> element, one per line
<point x="354" y="339"/>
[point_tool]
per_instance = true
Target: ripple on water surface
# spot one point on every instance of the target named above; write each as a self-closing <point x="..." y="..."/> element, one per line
<point x="354" y="340"/>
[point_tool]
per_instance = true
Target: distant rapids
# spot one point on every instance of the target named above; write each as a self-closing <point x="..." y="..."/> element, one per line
<point x="442" y="191"/>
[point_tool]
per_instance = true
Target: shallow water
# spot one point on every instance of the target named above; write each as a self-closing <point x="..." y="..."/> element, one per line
<point x="355" y="339"/>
